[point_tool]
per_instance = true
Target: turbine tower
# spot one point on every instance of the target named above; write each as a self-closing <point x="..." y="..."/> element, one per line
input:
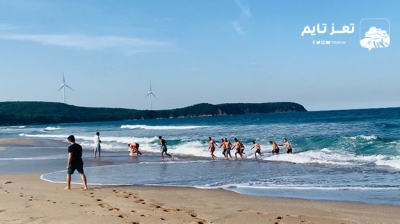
<point x="63" y="86"/>
<point x="150" y="94"/>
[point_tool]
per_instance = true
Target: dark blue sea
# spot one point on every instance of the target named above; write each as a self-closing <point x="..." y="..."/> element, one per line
<point x="350" y="155"/>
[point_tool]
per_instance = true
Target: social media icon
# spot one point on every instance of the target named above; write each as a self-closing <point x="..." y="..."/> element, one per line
<point x="318" y="42"/>
<point x="322" y="42"/>
<point x="328" y="42"/>
<point x="313" y="42"/>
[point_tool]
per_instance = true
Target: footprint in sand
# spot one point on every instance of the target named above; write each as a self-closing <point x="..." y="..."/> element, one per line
<point x="203" y="222"/>
<point x="194" y="215"/>
<point x="145" y="215"/>
<point x="164" y="219"/>
<point x="262" y="213"/>
<point x="98" y="199"/>
<point x="3" y="210"/>
<point x="104" y="205"/>
<point x="114" y="209"/>
<point x="84" y="205"/>
<point x="175" y="210"/>
<point x="123" y="216"/>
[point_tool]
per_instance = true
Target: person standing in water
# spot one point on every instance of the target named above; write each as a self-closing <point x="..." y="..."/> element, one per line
<point x="74" y="162"/>
<point x="227" y="148"/>
<point x="97" y="147"/>
<point x="288" y="146"/>
<point x="164" y="148"/>
<point x="275" y="148"/>
<point x="258" y="148"/>
<point x="238" y="146"/>
<point x="211" y="147"/>
<point x="221" y="145"/>
<point x="134" y="148"/>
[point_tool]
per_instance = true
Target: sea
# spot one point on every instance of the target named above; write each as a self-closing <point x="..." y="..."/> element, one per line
<point x="347" y="155"/>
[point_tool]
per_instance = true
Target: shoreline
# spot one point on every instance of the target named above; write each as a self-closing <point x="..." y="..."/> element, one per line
<point x="27" y="198"/>
<point x="200" y="188"/>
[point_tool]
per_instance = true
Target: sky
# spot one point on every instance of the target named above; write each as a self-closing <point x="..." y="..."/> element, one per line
<point x="199" y="51"/>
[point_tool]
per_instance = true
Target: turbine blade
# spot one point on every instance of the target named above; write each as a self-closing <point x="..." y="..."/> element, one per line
<point x="154" y="96"/>
<point x="147" y="94"/>
<point x="63" y="78"/>
<point x="69" y="87"/>
<point x="61" y="87"/>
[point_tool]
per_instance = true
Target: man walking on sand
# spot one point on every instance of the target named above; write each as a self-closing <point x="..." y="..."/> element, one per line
<point x="74" y="162"/>
<point x="97" y="142"/>
<point x="164" y="148"/>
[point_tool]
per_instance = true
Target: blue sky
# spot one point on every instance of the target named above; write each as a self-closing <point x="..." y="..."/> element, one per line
<point x="194" y="51"/>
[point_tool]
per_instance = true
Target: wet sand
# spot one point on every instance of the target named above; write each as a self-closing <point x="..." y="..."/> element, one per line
<point x="26" y="198"/>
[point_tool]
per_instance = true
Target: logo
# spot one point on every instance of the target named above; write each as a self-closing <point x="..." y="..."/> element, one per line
<point x="374" y="33"/>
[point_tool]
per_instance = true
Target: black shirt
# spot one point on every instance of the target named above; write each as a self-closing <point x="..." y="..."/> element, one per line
<point x="76" y="151"/>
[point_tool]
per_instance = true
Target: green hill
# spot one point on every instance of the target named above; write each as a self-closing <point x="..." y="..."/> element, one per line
<point x="25" y="113"/>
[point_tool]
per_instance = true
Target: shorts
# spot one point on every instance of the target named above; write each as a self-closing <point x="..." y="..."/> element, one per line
<point x="289" y="150"/>
<point x="258" y="151"/>
<point x="164" y="149"/>
<point x="276" y="151"/>
<point x="75" y="166"/>
<point x="97" y="149"/>
<point x="212" y="149"/>
<point x="238" y="151"/>
<point x="228" y="150"/>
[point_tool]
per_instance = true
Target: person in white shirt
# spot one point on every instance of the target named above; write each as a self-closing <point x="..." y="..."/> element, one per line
<point x="97" y="142"/>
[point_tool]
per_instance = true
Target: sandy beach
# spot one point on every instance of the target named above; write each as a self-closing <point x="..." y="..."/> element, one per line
<point x="25" y="198"/>
<point x="13" y="142"/>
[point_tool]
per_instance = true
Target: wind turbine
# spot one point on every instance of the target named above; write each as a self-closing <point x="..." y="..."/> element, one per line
<point x="149" y="94"/>
<point x="63" y="87"/>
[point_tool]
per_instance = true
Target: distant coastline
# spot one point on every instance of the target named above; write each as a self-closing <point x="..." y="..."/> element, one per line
<point x="26" y="113"/>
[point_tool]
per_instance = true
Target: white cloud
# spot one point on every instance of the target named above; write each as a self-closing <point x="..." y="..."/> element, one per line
<point x="129" y="44"/>
<point x="245" y="14"/>
<point x="237" y="26"/>
<point x="245" y="9"/>
<point x="5" y="26"/>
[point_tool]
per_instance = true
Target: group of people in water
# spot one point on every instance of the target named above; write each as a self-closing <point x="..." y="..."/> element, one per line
<point x="225" y="144"/>
<point x="239" y="147"/>
<point x="74" y="161"/>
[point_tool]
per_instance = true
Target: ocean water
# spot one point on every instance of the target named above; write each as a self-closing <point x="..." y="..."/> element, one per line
<point x="351" y="155"/>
